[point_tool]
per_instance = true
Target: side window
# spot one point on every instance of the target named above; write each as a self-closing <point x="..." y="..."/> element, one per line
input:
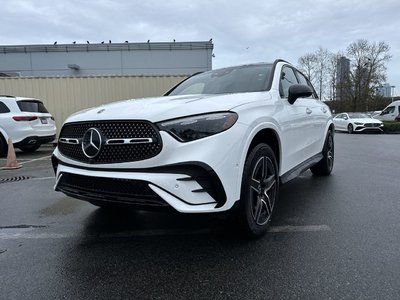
<point x="288" y="78"/>
<point x="303" y="80"/>
<point x="388" y="110"/>
<point x="3" y="108"/>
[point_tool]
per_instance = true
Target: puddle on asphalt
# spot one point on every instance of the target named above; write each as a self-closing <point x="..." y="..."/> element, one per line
<point x="64" y="206"/>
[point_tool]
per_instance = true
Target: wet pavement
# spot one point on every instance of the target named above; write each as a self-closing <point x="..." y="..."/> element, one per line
<point x="331" y="238"/>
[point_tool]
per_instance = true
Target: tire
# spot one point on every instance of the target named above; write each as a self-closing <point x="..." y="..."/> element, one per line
<point x="29" y="149"/>
<point x="259" y="192"/>
<point x="350" y="128"/>
<point x="325" y="165"/>
<point x="3" y="146"/>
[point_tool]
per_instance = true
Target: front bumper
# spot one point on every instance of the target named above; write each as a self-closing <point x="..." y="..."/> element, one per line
<point x="361" y="128"/>
<point x="154" y="188"/>
<point x="195" y="177"/>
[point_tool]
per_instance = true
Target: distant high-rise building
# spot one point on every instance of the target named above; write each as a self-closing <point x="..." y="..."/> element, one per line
<point x="342" y="77"/>
<point x="385" y="90"/>
<point x="343" y="69"/>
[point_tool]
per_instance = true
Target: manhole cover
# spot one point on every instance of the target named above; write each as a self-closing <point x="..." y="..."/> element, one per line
<point x="14" y="179"/>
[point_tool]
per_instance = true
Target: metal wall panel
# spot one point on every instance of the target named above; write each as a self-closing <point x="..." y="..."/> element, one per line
<point x="65" y="95"/>
<point x="106" y="59"/>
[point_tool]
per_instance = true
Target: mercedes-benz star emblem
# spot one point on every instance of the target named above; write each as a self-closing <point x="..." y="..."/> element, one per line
<point x="91" y="143"/>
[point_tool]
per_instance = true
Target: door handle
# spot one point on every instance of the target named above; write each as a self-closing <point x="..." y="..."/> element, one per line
<point x="308" y="111"/>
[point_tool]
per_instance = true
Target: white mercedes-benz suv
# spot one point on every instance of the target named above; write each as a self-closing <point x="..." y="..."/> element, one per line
<point x="26" y="122"/>
<point x="220" y="140"/>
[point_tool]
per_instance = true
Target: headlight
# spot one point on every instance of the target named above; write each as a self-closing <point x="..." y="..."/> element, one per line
<point x="200" y="126"/>
<point x="358" y="123"/>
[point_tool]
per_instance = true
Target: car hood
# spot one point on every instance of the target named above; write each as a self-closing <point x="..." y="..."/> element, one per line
<point x="365" y="120"/>
<point x="166" y="107"/>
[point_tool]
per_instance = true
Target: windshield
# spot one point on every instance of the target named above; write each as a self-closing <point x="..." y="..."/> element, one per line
<point x="250" y="78"/>
<point x="358" y="116"/>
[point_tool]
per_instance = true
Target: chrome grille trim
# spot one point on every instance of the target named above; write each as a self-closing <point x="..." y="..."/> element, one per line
<point x="130" y="141"/>
<point x="69" y="141"/>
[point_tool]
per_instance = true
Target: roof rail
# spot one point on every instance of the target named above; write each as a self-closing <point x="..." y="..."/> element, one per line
<point x="7" y="96"/>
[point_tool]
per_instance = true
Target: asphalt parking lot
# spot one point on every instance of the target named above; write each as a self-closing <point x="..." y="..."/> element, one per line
<point x="331" y="238"/>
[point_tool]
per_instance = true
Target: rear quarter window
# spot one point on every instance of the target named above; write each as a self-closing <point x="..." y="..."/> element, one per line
<point x="32" y="106"/>
<point x="4" y="108"/>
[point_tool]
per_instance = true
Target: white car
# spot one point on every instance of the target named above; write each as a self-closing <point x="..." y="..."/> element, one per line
<point x="356" y="122"/>
<point x="220" y="140"/>
<point x="27" y="122"/>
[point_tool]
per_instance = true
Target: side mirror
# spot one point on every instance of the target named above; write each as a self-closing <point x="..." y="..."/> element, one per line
<point x="346" y="118"/>
<point x="298" y="91"/>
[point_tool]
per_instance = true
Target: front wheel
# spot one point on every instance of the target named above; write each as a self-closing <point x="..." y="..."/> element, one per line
<point x="259" y="193"/>
<point x="350" y="128"/>
<point x="325" y="165"/>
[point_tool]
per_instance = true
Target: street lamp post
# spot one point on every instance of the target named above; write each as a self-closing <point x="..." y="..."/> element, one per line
<point x="392" y="92"/>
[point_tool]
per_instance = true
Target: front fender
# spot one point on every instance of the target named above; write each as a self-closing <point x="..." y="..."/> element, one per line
<point x="251" y="134"/>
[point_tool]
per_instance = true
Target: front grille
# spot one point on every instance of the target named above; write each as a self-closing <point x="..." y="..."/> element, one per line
<point x="110" y="190"/>
<point x="371" y="125"/>
<point x="112" y="153"/>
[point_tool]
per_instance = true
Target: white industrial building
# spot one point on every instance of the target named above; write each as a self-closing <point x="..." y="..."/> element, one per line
<point x="175" y="58"/>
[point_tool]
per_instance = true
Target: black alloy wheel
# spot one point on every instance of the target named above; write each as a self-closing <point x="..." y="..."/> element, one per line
<point x="350" y="128"/>
<point x="260" y="188"/>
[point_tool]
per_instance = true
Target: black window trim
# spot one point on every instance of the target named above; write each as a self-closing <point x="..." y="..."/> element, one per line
<point x="315" y="95"/>
<point x="280" y="78"/>
<point x="4" y="109"/>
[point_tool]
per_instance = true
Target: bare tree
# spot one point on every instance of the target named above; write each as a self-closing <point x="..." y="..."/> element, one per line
<point x="332" y="72"/>
<point x="307" y="64"/>
<point x="359" y="85"/>
<point x="368" y="71"/>
<point x="318" y="68"/>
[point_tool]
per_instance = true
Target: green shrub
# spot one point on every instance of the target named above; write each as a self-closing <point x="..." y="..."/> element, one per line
<point x="391" y="126"/>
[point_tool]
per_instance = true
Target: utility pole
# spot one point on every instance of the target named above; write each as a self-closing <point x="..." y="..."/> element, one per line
<point x="392" y="92"/>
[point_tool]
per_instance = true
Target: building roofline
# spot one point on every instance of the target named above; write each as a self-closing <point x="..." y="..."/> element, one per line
<point x="200" y="45"/>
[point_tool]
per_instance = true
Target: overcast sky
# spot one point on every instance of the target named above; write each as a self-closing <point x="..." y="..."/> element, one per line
<point x="242" y="31"/>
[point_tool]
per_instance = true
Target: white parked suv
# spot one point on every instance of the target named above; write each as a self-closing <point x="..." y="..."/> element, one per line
<point x="27" y="122"/>
<point x="220" y="140"/>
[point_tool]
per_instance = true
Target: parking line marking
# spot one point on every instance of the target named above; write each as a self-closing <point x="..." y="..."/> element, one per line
<point x="306" y="228"/>
<point x="32" y="233"/>
<point x="43" y="178"/>
<point x="36" y="159"/>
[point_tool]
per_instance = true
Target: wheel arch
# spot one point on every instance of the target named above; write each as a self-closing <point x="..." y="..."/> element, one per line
<point x="331" y="128"/>
<point x="269" y="137"/>
<point x="3" y="134"/>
